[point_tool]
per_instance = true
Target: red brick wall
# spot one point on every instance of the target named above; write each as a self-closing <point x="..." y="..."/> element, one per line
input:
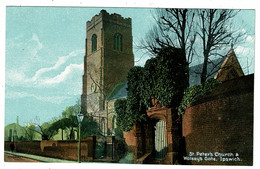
<point x="57" y="149"/>
<point x="130" y="138"/>
<point x="222" y="121"/>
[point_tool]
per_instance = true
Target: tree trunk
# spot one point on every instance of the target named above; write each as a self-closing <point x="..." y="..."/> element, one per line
<point x="203" y="76"/>
<point x="61" y="134"/>
<point x="71" y="133"/>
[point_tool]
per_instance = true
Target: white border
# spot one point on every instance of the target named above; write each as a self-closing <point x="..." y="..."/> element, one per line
<point x="234" y="4"/>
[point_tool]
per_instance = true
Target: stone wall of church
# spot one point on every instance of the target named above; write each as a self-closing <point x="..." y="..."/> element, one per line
<point x="222" y="122"/>
<point x="117" y="63"/>
<point x="105" y="67"/>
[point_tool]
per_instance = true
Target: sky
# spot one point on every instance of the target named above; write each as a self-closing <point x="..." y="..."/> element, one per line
<point x="45" y="49"/>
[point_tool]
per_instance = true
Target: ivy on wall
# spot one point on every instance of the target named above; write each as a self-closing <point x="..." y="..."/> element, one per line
<point x="164" y="77"/>
<point x="124" y="120"/>
<point x="172" y="77"/>
<point x="191" y="94"/>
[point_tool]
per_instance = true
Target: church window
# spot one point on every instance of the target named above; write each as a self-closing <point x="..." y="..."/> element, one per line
<point x="94" y="42"/>
<point x="118" y="42"/>
<point x="93" y="87"/>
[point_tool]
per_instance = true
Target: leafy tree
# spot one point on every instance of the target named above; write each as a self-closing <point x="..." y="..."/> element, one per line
<point x="45" y="130"/>
<point x="63" y="124"/>
<point x="89" y="128"/>
<point x="71" y="110"/>
<point x="69" y="118"/>
<point x="30" y="131"/>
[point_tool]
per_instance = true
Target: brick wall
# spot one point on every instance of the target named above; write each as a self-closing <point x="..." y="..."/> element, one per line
<point x="57" y="149"/>
<point x="222" y="121"/>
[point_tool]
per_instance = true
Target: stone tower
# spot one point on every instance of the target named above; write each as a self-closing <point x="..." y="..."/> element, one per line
<point x="108" y="58"/>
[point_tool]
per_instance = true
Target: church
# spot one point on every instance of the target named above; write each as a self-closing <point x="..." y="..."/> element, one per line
<point x="109" y="57"/>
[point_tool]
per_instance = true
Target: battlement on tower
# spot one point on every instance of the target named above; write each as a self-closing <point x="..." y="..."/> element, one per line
<point x="105" y="16"/>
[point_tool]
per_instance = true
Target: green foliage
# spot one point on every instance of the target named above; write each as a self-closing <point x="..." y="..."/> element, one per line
<point x="118" y="133"/>
<point x="48" y="130"/>
<point x="191" y="94"/>
<point x="164" y="77"/>
<point x="150" y="77"/>
<point x="71" y="111"/>
<point x="30" y="131"/>
<point x="100" y="149"/>
<point x="89" y="128"/>
<point x="172" y="70"/>
<point x="135" y="107"/>
<point x="124" y="120"/>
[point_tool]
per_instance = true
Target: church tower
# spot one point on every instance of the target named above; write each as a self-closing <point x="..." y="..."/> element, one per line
<point x="108" y="58"/>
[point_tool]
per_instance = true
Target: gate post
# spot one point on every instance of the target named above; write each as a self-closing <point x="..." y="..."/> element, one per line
<point x="94" y="144"/>
<point x="173" y="135"/>
<point x="139" y="133"/>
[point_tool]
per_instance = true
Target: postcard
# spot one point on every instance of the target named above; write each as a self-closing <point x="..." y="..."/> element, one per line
<point x="128" y="85"/>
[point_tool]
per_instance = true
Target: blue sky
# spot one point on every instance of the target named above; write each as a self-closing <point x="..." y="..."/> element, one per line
<point x="45" y="50"/>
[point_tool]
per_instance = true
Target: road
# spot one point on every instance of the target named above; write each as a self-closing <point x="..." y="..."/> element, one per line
<point x="14" y="158"/>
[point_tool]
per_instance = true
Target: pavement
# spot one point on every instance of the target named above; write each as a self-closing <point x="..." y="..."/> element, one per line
<point x="34" y="158"/>
<point x="14" y="158"/>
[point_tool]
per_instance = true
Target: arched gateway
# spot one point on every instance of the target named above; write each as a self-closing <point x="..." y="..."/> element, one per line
<point x="158" y="138"/>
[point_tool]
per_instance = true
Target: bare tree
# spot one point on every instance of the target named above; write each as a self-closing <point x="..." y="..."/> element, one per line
<point x="215" y="30"/>
<point x="201" y="33"/>
<point x="175" y="28"/>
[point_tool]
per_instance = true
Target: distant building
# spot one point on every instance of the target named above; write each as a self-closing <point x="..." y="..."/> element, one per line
<point x="13" y="132"/>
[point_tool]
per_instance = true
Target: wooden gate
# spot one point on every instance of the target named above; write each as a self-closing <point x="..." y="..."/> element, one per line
<point x="160" y="139"/>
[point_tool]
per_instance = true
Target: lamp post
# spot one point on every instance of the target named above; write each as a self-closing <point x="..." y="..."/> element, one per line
<point x="80" y="118"/>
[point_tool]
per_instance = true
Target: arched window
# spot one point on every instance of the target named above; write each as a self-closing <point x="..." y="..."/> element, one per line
<point x="118" y="42"/>
<point x="94" y="42"/>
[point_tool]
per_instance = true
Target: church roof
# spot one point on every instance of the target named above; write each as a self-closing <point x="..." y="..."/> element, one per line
<point x="195" y="71"/>
<point x="120" y="91"/>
